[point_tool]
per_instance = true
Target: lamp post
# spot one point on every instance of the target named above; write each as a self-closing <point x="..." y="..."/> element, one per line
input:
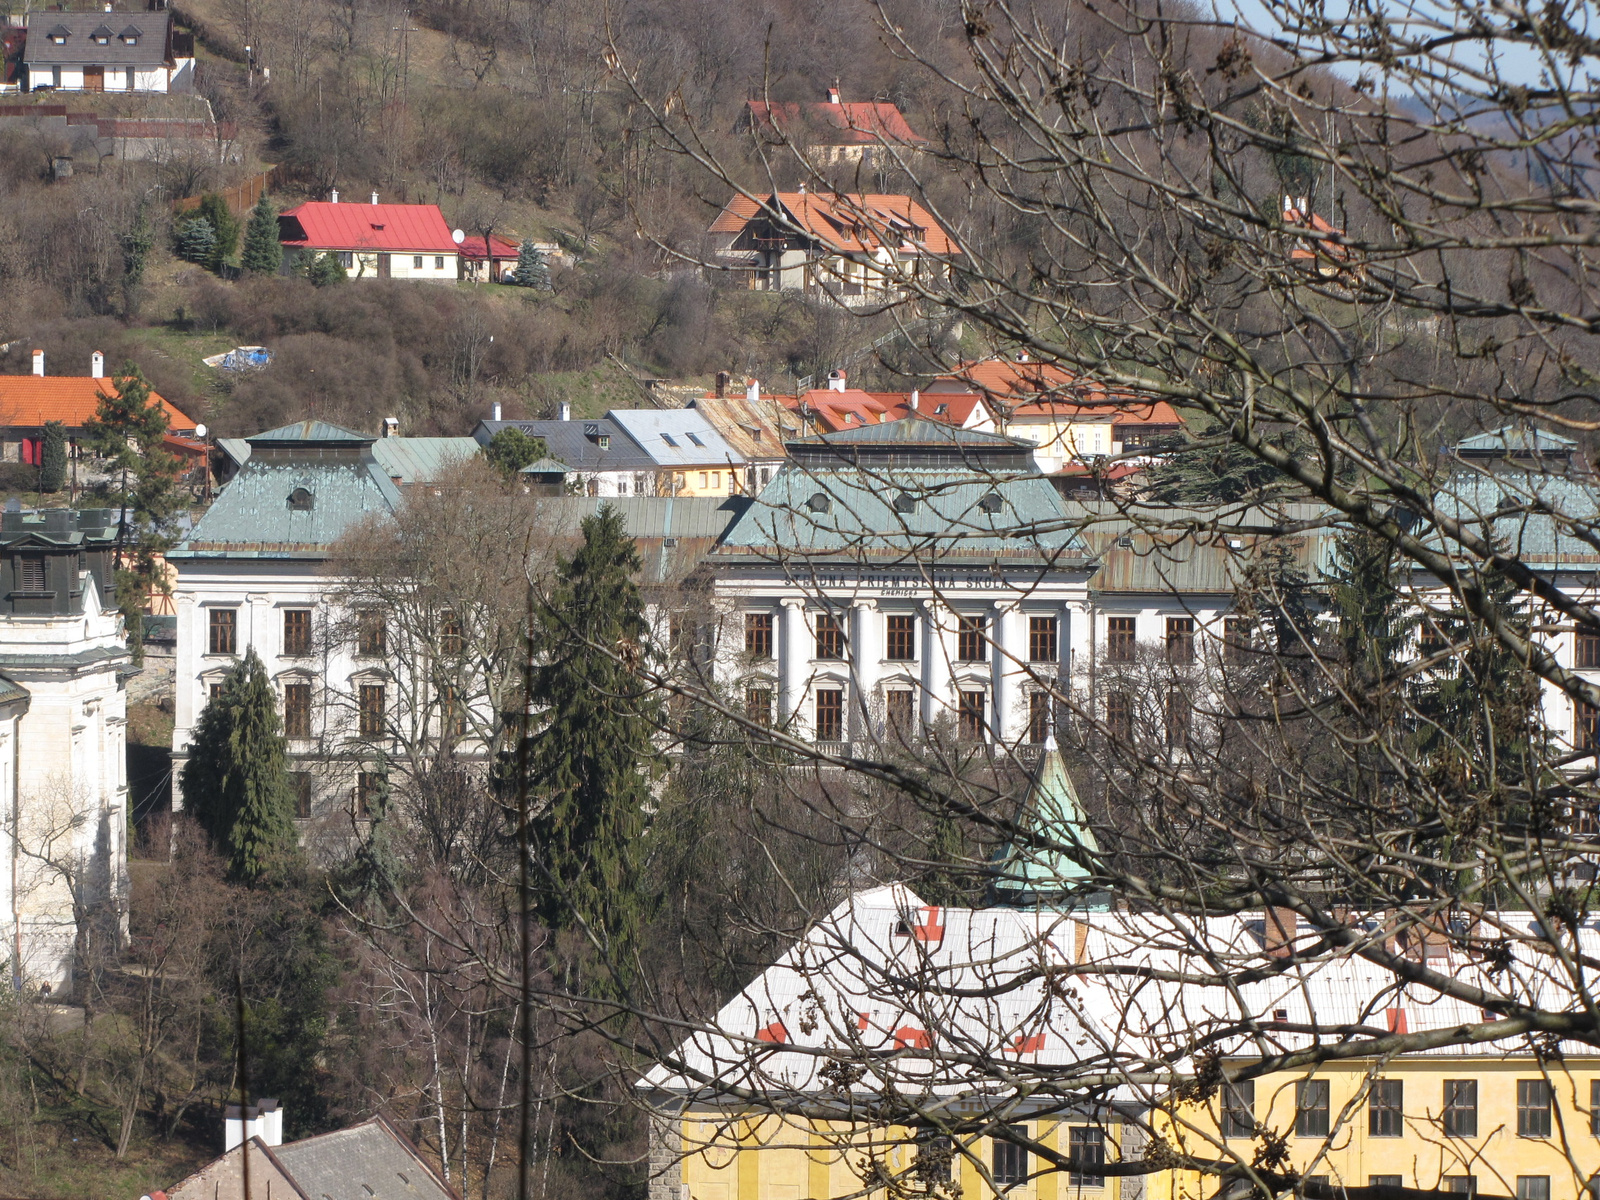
<point x="204" y="434"/>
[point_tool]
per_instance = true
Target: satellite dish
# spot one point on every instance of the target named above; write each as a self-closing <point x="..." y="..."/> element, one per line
<point x="457" y="236"/>
<point x="200" y="431"/>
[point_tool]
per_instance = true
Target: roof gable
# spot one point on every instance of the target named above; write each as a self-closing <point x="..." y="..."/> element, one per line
<point x="848" y="223"/>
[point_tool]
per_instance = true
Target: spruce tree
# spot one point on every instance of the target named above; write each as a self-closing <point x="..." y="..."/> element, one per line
<point x="236" y="782"/>
<point x="510" y="450"/>
<point x="53" y="459"/>
<point x="214" y="208"/>
<point x="323" y="269"/>
<point x="197" y="241"/>
<point x="263" y="253"/>
<point x="590" y="760"/>
<point x="532" y="271"/>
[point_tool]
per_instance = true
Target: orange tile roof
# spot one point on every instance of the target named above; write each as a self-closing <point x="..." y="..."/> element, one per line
<point x="1042" y="389"/>
<point x="28" y="401"/>
<point x="1310" y="248"/>
<point x="849" y="123"/>
<point x="848" y="222"/>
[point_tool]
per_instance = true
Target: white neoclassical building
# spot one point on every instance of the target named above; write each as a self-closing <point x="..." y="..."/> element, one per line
<point x="64" y="666"/>
<point x="903" y="576"/>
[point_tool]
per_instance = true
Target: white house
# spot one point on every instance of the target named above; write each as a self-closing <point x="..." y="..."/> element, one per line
<point x="63" y="734"/>
<point x="373" y="241"/>
<point x="107" y="52"/>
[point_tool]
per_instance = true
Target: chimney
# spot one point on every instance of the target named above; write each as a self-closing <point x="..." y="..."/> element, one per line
<point x="916" y="398"/>
<point x="801" y="187"/>
<point x="564" y="412"/>
<point x="391" y="426"/>
<point x="722" y="384"/>
<point x="335" y="198"/>
<point x="38" y="362"/>
<point x="1281" y="925"/>
<point x="263" y="1120"/>
<point x="752" y="391"/>
<point x="97" y="365"/>
<point x="495" y="411"/>
<point x="374" y="197"/>
<point x="833" y="94"/>
<point x="836" y="381"/>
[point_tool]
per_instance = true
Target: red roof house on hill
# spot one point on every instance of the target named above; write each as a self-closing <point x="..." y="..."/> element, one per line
<point x="835" y="131"/>
<point x="28" y="401"/>
<point x="374" y="241"/>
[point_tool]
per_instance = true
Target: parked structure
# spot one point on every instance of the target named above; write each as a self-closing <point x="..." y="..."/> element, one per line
<point x="28" y="401"/>
<point x="855" y="249"/>
<point x="871" y="133"/>
<point x="106" y="52"/>
<point x="63" y="758"/>
<point x="372" y="241"/>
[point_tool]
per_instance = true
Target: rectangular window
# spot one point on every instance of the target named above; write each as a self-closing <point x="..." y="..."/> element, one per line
<point x="969" y="716"/>
<point x="1010" y="1165"/>
<point x="1039" y="722"/>
<point x="1385" y="1181"/>
<point x="31" y="576"/>
<point x="416" y="262"/>
<point x="296" y="632"/>
<point x="936" y="1159"/>
<point x="1312" y="1108"/>
<point x="300" y="784"/>
<point x="1586" y="656"/>
<point x="347" y="259"/>
<point x="1386" y="1108"/>
<point x="1237" y="640"/>
<point x="1120" y="638"/>
<point x="1119" y="715"/>
<point x="758" y="635"/>
<point x="1178" y="717"/>
<point x="452" y="641"/>
<point x="1460" y="1108"/>
<point x="758" y="705"/>
<point x="1180" y="639"/>
<point x="371" y="634"/>
<point x="1042" y="641"/>
<point x="1088" y="1150"/>
<point x="1585" y="726"/>
<point x="970" y="643"/>
<point x="1239" y="1109"/>
<point x="224" y="631"/>
<point x="452" y="713"/>
<point x="830" y="715"/>
<point x="900" y="638"/>
<point x="705" y="480"/>
<point x="1533" y="1108"/>
<point x="368" y="785"/>
<point x="1461" y="1185"/>
<point x="1533" y="1187"/>
<point x="214" y="691"/>
<point x="898" y="710"/>
<point x="1594" y="1107"/>
<point x="830" y="638"/>
<point x="297" y="710"/>
<point x="372" y="710"/>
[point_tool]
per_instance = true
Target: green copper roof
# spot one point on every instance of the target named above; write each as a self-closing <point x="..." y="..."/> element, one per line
<point x="1515" y="439"/>
<point x="311" y="431"/>
<point x="1051" y="811"/>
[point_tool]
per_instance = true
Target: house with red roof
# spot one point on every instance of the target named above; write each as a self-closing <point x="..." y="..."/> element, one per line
<point x="28" y="401"/>
<point x="1321" y="249"/>
<point x="373" y="241"/>
<point x="835" y="131"/>
<point x="858" y="249"/>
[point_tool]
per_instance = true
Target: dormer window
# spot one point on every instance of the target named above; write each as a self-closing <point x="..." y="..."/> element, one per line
<point x="131" y="35"/>
<point x="59" y="35"/>
<point x="301" y="500"/>
<point x="101" y="35"/>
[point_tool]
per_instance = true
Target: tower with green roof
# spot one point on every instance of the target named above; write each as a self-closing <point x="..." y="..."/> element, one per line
<point x="1048" y="871"/>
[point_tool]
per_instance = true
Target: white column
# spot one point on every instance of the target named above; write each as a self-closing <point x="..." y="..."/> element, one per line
<point x="258" y="634"/>
<point x="795" y="652"/>
<point x="935" y="661"/>
<point x="866" y="656"/>
<point x="1008" y="655"/>
<point x="186" y="664"/>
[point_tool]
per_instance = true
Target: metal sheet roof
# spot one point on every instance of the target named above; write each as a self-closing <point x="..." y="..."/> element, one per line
<point x="365" y="1161"/>
<point x="422" y="459"/>
<point x="676" y="437"/>
<point x="321" y="225"/>
<point x="1535" y="515"/>
<point x="569" y="442"/>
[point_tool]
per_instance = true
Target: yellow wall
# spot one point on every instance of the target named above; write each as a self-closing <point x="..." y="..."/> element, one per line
<point x="1422" y="1155"/>
<point x="712" y="481"/>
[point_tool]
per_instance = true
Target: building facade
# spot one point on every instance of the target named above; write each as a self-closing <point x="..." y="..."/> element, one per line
<point x="106" y="52"/>
<point x="373" y="241"/>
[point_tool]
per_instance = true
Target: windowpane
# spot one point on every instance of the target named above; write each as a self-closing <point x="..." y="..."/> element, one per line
<point x="1088" y="1150"/>
<point x="1533" y="1108"/>
<point x="1119" y="715"/>
<point x="1180" y="639"/>
<point x="830" y="715"/>
<point x="1533" y="1187"/>
<point x="1385" y="1181"/>
<point x="1178" y="714"/>
<point x="1585" y="726"/>
<point x="1239" y="1109"/>
<point x="297" y="710"/>
<point x="1462" y="1185"/>
<point x="830" y="638"/>
<point x="970" y="716"/>
<point x="1042" y="640"/>
<point x="1237" y="639"/>
<point x="758" y="705"/>
<point x="224" y="631"/>
<point x="452" y="641"/>
<point x="1312" y="1109"/>
<point x="372" y="709"/>
<point x="971" y="645"/>
<point x="936" y="1159"/>
<point x="214" y="691"/>
<point x="1587" y="652"/>
<point x="1010" y="1160"/>
<point x="1461" y="1108"/>
<point x="31" y="575"/>
<point x="1120" y="638"/>
<point x="1038" y="717"/>
<point x="296" y="632"/>
<point x="758" y="635"/>
<point x="371" y="635"/>
<point x="898" y="710"/>
<point x="300" y="781"/>
<point x="900" y="638"/>
<point x="1386" y="1108"/>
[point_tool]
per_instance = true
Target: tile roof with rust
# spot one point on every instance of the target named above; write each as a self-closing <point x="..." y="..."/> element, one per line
<point x="846" y="223"/>
<point x="28" y="401"/>
<point x="834" y="123"/>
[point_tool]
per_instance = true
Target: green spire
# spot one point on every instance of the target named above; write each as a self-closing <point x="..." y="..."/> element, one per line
<point x="1033" y="874"/>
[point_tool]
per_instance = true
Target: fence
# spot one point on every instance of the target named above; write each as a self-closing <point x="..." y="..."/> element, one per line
<point x="240" y="199"/>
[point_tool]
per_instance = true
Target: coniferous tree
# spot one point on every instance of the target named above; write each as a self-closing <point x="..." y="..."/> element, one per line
<point x="136" y="243"/>
<point x="236" y="782"/>
<point x="1208" y="467"/>
<point x="590" y="759"/>
<point x="532" y="270"/>
<point x="214" y="208"/>
<point x="323" y="269"/>
<point x="197" y="241"/>
<point x="510" y="450"/>
<point x="53" y="457"/>
<point x="263" y="253"/>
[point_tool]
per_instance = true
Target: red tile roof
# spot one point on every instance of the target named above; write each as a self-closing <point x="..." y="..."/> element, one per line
<point x="408" y="228"/>
<point x="848" y="222"/>
<point x="28" y="401"/>
<point x="957" y="406"/>
<point x="847" y="124"/>
<point x="503" y="247"/>
<point x="1041" y="389"/>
